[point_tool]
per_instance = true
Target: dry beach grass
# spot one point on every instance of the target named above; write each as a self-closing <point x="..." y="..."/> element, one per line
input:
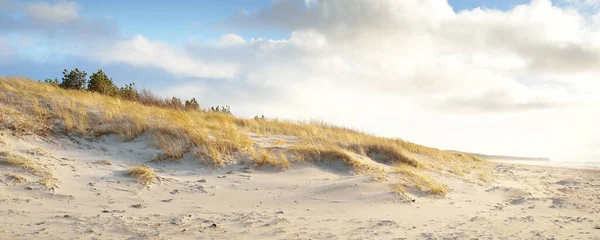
<point x="212" y="137"/>
<point x="217" y="176"/>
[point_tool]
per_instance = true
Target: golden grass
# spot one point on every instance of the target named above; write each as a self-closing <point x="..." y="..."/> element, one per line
<point x="30" y="166"/>
<point x="16" y="178"/>
<point x="214" y="138"/>
<point x="283" y="161"/>
<point x="265" y="158"/>
<point x="484" y="177"/>
<point x="38" y="151"/>
<point x="20" y="162"/>
<point x="326" y="154"/>
<point x="399" y="189"/>
<point x="388" y="153"/>
<point x="27" y="102"/>
<point x="323" y="153"/>
<point x="103" y="162"/>
<point x="143" y="175"/>
<point x="279" y="142"/>
<point x="48" y="181"/>
<point x="422" y="181"/>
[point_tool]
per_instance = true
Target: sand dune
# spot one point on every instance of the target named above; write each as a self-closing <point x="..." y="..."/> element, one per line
<point x="76" y="164"/>
<point x="95" y="199"/>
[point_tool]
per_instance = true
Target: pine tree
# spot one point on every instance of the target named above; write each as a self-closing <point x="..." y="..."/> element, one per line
<point x="192" y="104"/>
<point x="100" y="83"/>
<point x="74" y="79"/>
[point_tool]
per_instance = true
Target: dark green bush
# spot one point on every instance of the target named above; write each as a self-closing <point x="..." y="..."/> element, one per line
<point x="73" y="79"/>
<point x="192" y="104"/>
<point x="224" y="109"/>
<point x="52" y="82"/>
<point x="99" y="82"/>
<point x="128" y="92"/>
<point x="175" y="103"/>
<point x="102" y="84"/>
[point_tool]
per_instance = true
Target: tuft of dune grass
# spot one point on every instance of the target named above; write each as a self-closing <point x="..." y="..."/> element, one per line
<point x="103" y="162"/>
<point x="143" y="175"/>
<point x="38" y="151"/>
<point x="422" y="181"/>
<point x="265" y="158"/>
<point x="20" y="162"/>
<point x="389" y="153"/>
<point x="283" y="161"/>
<point x="399" y="189"/>
<point x="16" y="178"/>
<point x="324" y="154"/>
<point x="484" y="177"/>
<point x="30" y="166"/>
<point x="327" y="153"/>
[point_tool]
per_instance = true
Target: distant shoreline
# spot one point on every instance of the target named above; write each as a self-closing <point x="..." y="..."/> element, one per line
<point x="505" y="158"/>
<point x="510" y="158"/>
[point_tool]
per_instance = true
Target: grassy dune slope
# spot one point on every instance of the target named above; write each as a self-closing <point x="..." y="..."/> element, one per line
<point x="216" y="139"/>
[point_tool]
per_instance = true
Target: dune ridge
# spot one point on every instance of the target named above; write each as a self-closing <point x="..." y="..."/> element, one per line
<point x="76" y="164"/>
<point x="214" y="138"/>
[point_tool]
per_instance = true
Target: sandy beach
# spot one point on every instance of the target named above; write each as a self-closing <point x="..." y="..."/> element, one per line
<point x="94" y="199"/>
<point x="300" y="119"/>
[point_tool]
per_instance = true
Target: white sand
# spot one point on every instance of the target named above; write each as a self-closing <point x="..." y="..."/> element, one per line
<point x="193" y="201"/>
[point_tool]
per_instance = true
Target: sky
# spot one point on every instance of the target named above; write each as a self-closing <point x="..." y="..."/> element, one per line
<point x="510" y="77"/>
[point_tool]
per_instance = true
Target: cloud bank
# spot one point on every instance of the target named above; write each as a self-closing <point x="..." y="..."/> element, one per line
<point x="521" y="81"/>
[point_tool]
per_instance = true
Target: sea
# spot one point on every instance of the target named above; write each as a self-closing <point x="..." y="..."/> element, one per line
<point x="562" y="164"/>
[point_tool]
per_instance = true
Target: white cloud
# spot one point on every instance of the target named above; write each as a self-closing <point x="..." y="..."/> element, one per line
<point x="230" y="40"/>
<point x="58" y="21"/>
<point x="583" y="3"/>
<point x="59" y="12"/>
<point x="521" y="81"/>
<point x="399" y="67"/>
<point x="140" y="51"/>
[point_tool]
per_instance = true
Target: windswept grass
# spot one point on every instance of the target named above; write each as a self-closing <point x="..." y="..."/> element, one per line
<point x="214" y="138"/>
<point x="325" y="154"/>
<point x="283" y="161"/>
<point x="30" y="166"/>
<point x="421" y="180"/>
<point x="20" y="162"/>
<point x="388" y="153"/>
<point x="399" y="189"/>
<point x="103" y="162"/>
<point x="37" y="151"/>
<point x="264" y="158"/>
<point x="13" y="178"/>
<point x="143" y="175"/>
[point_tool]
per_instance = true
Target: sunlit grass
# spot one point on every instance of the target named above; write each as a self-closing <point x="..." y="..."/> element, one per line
<point x="215" y="138"/>
<point x="30" y="166"/>
<point x="13" y="178"/>
<point x="422" y="181"/>
<point x="143" y="175"/>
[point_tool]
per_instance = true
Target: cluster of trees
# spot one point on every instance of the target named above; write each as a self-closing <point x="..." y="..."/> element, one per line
<point x="99" y="82"/>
